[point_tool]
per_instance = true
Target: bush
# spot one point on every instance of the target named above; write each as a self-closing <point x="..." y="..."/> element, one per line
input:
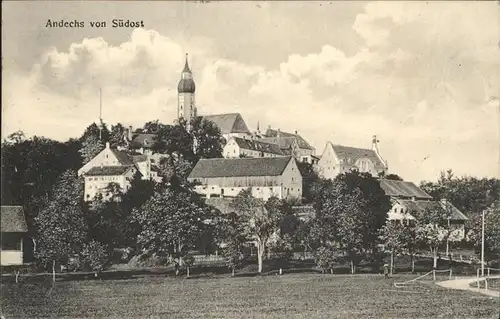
<point x="96" y="256"/>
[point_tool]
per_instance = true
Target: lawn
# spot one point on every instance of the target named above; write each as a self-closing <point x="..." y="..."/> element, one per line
<point x="287" y="296"/>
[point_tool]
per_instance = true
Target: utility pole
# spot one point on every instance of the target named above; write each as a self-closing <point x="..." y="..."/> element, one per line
<point x="482" y="245"/>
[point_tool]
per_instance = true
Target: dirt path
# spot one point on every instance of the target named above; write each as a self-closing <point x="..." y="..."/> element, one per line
<point x="464" y="284"/>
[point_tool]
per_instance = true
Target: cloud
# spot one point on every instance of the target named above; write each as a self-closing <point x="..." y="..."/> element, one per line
<point x="422" y="89"/>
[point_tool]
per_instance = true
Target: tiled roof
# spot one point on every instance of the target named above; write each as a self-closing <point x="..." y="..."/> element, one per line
<point x="229" y="123"/>
<point x="352" y="154"/>
<point x="256" y="145"/>
<point x="237" y="167"/>
<point x="108" y="170"/>
<point x="421" y="206"/>
<point x="283" y="142"/>
<point x="402" y="189"/>
<point x="13" y="220"/>
<point x="146" y="140"/>
<point x="301" y="142"/>
<point x="123" y="157"/>
<point x="139" y="158"/>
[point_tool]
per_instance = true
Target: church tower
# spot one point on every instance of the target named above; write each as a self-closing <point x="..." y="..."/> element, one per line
<point x="186" y="108"/>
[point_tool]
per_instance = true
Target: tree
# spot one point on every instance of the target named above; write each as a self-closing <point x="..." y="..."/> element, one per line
<point x="91" y="146"/>
<point x="117" y="136"/>
<point x="61" y="224"/>
<point x="152" y="127"/>
<point x="491" y="232"/>
<point x="15" y="138"/>
<point x="171" y="222"/>
<point x="207" y="138"/>
<point x="96" y="256"/>
<point x="468" y="194"/>
<point x="409" y="240"/>
<point x="327" y="256"/>
<point x="109" y="220"/>
<point x="393" y="238"/>
<point x="434" y="228"/>
<point x="309" y="178"/>
<point x="350" y="211"/>
<point x="31" y="167"/>
<point x="230" y="235"/>
<point x="99" y="132"/>
<point x="176" y="139"/>
<point x="283" y="250"/>
<point x="174" y="169"/>
<point x="261" y="219"/>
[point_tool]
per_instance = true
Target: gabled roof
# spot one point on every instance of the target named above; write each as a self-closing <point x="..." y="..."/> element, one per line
<point x="301" y="142"/>
<point x="13" y="220"/>
<point x="108" y="170"/>
<point x="122" y="157"/>
<point x="352" y="154"/>
<point x="229" y="123"/>
<point x="420" y="206"/>
<point x="260" y="146"/>
<point x="146" y="140"/>
<point x="402" y="189"/>
<point x="238" y="167"/>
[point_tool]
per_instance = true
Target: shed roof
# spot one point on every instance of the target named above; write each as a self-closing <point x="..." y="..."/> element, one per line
<point x="13" y="220"/>
<point x="402" y="189"/>
<point x="238" y="167"/>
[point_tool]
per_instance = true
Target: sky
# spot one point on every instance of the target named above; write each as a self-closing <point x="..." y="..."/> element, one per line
<point x="423" y="76"/>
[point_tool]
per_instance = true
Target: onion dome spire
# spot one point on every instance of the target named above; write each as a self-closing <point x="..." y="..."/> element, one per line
<point x="186" y="84"/>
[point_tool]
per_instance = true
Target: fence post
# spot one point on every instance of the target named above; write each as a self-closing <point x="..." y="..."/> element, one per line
<point x="477" y="278"/>
<point x="489" y="272"/>
<point x="451" y="271"/>
<point x="434" y="274"/>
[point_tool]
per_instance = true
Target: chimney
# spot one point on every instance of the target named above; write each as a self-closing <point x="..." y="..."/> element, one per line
<point x="107" y="145"/>
<point x="296" y="133"/>
<point x="278" y="135"/>
<point x="129" y="132"/>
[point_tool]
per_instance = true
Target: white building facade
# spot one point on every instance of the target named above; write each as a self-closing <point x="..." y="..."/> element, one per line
<point x="266" y="177"/>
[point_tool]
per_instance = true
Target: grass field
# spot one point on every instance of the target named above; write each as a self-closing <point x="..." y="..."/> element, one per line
<point x="287" y="296"/>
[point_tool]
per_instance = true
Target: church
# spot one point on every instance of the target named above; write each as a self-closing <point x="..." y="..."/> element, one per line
<point x="274" y="146"/>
